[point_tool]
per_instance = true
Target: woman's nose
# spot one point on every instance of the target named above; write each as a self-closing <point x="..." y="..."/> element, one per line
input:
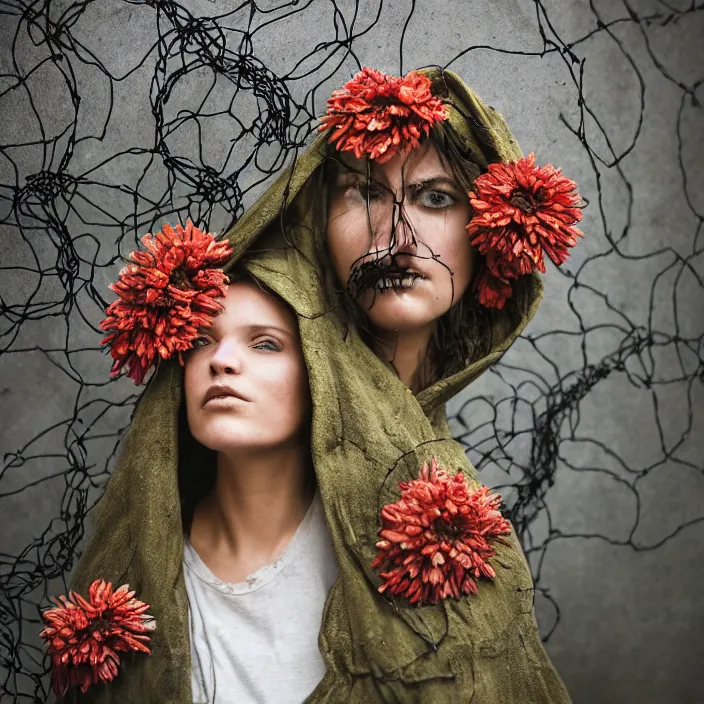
<point x="395" y="234"/>
<point x="227" y="358"/>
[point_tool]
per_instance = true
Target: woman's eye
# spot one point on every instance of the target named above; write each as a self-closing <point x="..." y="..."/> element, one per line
<point x="436" y="199"/>
<point x="269" y="345"/>
<point x="200" y="342"/>
<point x="367" y="190"/>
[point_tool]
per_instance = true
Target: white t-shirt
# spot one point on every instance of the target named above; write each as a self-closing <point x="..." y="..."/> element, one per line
<point x="257" y="641"/>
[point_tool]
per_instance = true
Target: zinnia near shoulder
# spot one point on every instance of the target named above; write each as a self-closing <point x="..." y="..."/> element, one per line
<point x="84" y="637"/>
<point x="437" y="540"/>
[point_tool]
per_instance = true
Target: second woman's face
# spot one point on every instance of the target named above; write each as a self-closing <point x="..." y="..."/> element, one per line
<point x="245" y="381"/>
<point x="398" y="240"/>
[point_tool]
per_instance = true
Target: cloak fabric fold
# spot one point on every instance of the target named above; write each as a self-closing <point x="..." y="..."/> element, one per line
<point x="369" y="432"/>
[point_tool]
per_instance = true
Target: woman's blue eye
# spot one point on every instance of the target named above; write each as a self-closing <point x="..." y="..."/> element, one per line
<point x="200" y="342"/>
<point x="269" y="345"/>
<point x="437" y="199"/>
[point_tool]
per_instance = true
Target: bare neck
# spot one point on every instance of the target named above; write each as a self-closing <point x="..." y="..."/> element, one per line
<point x="258" y="502"/>
<point x="405" y="351"/>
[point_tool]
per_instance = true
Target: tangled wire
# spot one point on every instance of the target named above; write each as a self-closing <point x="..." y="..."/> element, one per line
<point x="164" y="113"/>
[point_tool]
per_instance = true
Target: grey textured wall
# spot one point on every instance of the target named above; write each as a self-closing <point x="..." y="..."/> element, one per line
<point x="616" y="538"/>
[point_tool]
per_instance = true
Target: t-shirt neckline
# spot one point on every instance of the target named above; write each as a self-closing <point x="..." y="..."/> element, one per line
<point x="264" y="575"/>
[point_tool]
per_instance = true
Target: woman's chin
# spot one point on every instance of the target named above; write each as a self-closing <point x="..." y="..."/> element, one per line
<point x="400" y="310"/>
<point x="232" y="434"/>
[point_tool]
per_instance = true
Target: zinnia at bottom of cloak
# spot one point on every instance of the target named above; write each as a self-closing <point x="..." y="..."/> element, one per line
<point x="84" y="636"/>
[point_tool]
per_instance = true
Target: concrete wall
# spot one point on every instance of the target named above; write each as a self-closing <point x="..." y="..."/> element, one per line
<point x="609" y="90"/>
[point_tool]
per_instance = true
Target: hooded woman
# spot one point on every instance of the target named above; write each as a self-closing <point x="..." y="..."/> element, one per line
<point x="365" y="239"/>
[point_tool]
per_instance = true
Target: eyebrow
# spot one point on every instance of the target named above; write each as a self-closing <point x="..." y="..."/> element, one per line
<point x="433" y="181"/>
<point x="261" y="328"/>
<point x="418" y="185"/>
<point x="255" y="328"/>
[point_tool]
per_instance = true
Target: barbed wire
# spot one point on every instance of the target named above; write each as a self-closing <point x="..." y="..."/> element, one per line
<point x="198" y="111"/>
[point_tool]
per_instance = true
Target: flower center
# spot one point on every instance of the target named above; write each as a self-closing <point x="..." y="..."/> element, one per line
<point x="523" y="202"/>
<point x="384" y="100"/>
<point x="446" y="530"/>
<point x="528" y="202"/>
<point x="179" y="279"/>
<point x="102" y="625"/>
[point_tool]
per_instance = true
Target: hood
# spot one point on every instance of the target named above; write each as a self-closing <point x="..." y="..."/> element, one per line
<point x="282" y="218"/>
<point x="369" y="432"/>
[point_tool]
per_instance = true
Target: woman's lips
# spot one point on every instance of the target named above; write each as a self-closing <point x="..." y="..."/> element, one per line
<point x="371" y="276"/>
<point x="223" y="401"/>
<point x="221" y="389"/>
<point x="396" y="281"/>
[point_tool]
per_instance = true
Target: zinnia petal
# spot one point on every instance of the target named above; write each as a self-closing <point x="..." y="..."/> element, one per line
<point x="378" y="115"/>
<point x="522" y="212"/>
<point x="426" y="565"/>
<point x="174" y="281"/>
<point x="83" y="635"/>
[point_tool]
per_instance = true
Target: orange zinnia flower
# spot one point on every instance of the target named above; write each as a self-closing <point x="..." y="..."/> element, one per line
<point x="436" y="539"/>
<point x="377" y="115"/>
<point x="166" y="294"/>
<point x="83" y="637"/>
<point x="522" y="212"/>
<point x="493" y="291"/>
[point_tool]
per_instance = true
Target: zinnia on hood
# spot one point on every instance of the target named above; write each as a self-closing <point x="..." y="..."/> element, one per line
<point x="165" y="295"/>
<point x="377" y="115"/>
<point x="84" y="637"/>
<point x="522" y="212"/>
<point x="437" y="540"/>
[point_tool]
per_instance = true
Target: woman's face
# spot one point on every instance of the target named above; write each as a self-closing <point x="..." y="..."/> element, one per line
<point x="398" y="241"/>
<point x="252" y="350"/>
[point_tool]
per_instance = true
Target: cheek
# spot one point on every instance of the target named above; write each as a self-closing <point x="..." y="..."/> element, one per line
<point x="347" y="238"/>
<point x="292" y="393"/>
<point x="451" y="247"/>
<point x="461" y="258"/>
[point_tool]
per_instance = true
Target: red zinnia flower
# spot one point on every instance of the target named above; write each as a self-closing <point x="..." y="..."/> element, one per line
<point x="436" y="539"/>
<point x="523" y="211"/>
<point x="166" y="294"/>
<point x="377" y="115"/>
<point x="83" y="636"/>
<point x="493" y="291"/>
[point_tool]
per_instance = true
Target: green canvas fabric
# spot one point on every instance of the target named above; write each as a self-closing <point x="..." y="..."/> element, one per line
<point x="369" y="432"/>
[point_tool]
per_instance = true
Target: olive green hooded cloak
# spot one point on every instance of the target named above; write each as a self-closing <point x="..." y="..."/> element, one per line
<point x="369" y="431"/>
